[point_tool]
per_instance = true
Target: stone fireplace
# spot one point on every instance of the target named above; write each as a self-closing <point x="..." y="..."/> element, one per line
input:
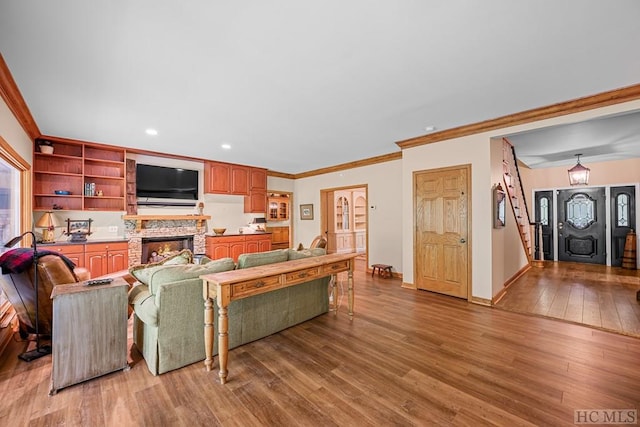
<point x="164" y="228"/>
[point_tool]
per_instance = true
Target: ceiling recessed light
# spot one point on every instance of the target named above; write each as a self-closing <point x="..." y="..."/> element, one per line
<point x="226" y="146"/>
<point x="430" y="128"/>
<point x="151" y="132"/>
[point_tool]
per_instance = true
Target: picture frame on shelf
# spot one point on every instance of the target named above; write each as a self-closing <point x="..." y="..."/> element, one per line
<point x="78" y="229"/>
<point x="306" y="211"/>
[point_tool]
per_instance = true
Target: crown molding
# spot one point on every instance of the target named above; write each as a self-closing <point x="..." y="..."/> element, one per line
<point x="350" y="165"/>
<point x="13" y="98"/>
<point x="617" y="96"/>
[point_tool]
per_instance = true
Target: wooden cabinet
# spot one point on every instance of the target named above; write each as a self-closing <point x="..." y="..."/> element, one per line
<point x="279" y="237"/>
<point x="74" y="252"/>
<point x="226" y="178"/>
<point x="233" y="246"/>
<point x="89" y="334"/>
<point x="257" y="243"/>
<point x="258" y="179"/>
<point x="256" y="201"/>
<point x="359" y="211"/>
<point x="278" y="208"/>
<point x="348" y="223"/>
<point x="105" y="258"/>
<point x="131" y="199"/>
<point x="75" y="167"/>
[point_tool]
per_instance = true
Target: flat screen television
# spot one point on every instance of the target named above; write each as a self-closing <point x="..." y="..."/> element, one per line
<point x="166" y="183"/>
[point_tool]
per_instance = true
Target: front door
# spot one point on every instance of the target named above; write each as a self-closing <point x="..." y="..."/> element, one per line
<point x="441" y="200"/>
<point x="581" y="225"/>
<point x="623" y="216"/>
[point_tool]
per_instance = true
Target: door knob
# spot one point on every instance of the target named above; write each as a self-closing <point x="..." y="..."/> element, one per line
<point x="462" y="240"/>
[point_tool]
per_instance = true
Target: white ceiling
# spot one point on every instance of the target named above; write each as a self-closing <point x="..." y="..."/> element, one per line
<point x="294" y="85"/>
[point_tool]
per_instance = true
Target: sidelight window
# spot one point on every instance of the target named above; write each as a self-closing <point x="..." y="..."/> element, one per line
<point x="544" y="210"/>
<point x="622" y="207"/>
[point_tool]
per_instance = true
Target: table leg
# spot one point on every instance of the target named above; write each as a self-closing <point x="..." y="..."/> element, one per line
<point x="223" y="342"/>
<point x="351" y="291"/>
<point x="208" y="334"/>
<point x="334" y="293"/>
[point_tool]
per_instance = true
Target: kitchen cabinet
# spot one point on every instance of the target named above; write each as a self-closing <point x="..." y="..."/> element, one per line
<point x="235" y="245"/>
<point x="105" y="258"/>
<point x="257" y="243"/>
<point x="278" y="208"/>
<point x="256" y="201"/>
<point x="226" y="178"/>
<point x="74" y="252"/>
<point x="279" y="237"/>
<point x="73" y="168"/>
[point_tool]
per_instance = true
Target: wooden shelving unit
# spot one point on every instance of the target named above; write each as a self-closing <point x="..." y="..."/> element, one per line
<point x="71" y="167"/>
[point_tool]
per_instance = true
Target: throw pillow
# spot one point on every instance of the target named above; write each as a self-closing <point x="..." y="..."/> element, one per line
<point x="261" y="258"/>
<point x="305" y="253"/>
<point x="143" y="272"/>
<point x="174" y="273"/>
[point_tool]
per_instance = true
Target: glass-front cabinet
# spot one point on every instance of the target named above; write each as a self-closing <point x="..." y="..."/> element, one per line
<point x="348" y="224"/>
<point x="278" y="207"/>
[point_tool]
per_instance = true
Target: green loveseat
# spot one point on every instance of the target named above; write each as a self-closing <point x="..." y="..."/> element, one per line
<point x="168" y="326"/>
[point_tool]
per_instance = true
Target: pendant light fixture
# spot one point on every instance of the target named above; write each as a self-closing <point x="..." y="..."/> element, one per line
<point x="579" y="175"/>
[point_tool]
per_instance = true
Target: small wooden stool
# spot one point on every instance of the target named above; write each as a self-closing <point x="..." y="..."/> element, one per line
<point x="383" y="270"/>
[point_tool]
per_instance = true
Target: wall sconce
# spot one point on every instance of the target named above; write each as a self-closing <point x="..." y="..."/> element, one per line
<point x="579" y="175"/>
<point x="48" y="223"/>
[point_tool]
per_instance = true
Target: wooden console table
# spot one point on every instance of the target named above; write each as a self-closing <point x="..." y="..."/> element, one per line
<point x="237" y="284"/>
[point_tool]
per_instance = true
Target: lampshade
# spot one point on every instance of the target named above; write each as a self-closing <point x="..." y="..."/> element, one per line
<point x="48" y="223"/>
<point x="579" y="175"/>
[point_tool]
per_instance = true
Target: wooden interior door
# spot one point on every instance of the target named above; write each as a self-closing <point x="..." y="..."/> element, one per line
<point x="328" y="220"/>
<point x="581" y="225"/>
<point x="441" y="216"/>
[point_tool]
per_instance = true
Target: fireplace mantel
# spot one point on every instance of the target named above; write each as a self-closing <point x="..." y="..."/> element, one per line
<point x="140" y="219"/>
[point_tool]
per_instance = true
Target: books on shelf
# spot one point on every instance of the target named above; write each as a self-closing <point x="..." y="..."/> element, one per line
<point x="89" y="188"/>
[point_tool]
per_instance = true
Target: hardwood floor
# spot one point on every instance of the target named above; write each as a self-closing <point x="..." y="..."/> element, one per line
<point x="408" y="358"/>
<point x="594" y="295"/>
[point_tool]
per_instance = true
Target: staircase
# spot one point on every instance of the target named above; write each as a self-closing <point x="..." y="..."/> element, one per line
<point x="513" y="185"/>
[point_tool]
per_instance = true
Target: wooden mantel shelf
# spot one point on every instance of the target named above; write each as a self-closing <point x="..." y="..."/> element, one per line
<point x="139" y="219"/>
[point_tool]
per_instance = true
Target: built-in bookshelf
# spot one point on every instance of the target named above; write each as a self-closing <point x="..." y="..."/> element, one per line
<point x="78" y="176"/>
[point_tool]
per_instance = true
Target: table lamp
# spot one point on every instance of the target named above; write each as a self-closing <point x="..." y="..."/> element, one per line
<point x="48" y="224"/>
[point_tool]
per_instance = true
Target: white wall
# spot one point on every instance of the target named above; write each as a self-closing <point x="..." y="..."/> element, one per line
<point x="12" y="132"/>
<point x="385" y="219"/>
<point x="471" y="150"/>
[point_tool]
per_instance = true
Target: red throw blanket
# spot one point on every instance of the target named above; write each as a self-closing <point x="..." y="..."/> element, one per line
<point x="21" y="259"/>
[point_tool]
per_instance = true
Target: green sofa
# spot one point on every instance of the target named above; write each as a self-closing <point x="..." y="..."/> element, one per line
<point x="168" y="324"/>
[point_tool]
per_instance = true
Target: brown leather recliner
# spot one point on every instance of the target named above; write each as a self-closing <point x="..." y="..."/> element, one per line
<point x="19" y="289"/>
